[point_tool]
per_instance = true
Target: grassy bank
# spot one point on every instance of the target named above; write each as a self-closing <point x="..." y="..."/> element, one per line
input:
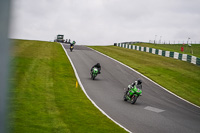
<point x="182" y="78"/>
<point x="193" y="50"/>
<point x="44" y="97"/>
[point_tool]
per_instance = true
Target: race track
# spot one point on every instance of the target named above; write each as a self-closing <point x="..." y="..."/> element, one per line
<point x="156" y="111"/>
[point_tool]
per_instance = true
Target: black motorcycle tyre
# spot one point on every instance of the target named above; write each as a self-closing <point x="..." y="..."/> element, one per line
<point x="92" y="76"/>
<point x="133" y="99"/>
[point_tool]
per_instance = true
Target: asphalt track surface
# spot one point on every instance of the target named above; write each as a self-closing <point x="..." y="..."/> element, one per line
<point x="156" y="111"/>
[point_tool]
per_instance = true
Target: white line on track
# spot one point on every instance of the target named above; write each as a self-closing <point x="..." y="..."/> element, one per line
<point x="154" y="109"/>
<point x="79" y="81"/>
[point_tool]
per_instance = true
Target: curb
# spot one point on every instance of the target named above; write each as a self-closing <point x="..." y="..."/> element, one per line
<point x="183" y="57"/>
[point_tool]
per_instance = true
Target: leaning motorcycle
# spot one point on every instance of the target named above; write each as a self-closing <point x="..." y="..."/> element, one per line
<point x="132" y="94"/>
<point x="71" y="48"/>
<point x="94" y="73"/>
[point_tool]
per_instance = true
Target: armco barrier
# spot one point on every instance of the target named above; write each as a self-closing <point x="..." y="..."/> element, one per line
<point x="175" y="55"/>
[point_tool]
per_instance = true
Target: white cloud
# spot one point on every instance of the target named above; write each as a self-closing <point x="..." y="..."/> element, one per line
<point x="106" y="21"/>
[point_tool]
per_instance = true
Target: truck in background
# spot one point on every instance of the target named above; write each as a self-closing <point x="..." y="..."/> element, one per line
<point x="60" y="38"/>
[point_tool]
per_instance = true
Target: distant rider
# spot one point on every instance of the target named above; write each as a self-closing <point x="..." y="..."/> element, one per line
<point x="72" y="44"/>
<point x="98" y="66"/>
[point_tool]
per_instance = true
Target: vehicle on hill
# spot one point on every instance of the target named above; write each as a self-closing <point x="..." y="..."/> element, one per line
<point x="60" y="38"/>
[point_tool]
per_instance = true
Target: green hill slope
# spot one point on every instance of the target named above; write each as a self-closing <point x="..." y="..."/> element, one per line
<point x="44" y="97"/>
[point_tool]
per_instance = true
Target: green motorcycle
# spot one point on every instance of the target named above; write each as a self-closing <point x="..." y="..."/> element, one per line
<point x="132" y="94"/>
<point x="94" y="73"/>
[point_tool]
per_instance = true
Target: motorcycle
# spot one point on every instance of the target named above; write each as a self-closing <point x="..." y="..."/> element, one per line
<point x="94" y="73"/>
<point x="71" y="48"/>
<point x="132" y="94"/>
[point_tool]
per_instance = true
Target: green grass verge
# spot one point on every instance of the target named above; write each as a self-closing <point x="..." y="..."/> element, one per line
<point x="44" y="97"/>
<point x="195" y="48"/>
<point x="181" y="78"/>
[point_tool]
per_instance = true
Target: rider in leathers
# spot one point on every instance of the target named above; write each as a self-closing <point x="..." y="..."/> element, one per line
<point x="138" y="84"/>
<point x="98" y="66"/>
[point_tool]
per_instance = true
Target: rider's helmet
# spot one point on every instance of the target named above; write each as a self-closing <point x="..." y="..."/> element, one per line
<point x="98" y="64"/>
<point x="73" y="42"/>
<point x="139" y="81"/>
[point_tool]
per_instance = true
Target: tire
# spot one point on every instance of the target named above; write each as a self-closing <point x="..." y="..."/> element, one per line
<point x="93" y="76"/>
<point x="133" y="99"/>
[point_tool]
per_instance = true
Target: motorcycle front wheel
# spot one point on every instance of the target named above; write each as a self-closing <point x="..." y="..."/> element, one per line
<point x="93" y="76"/>
<point x="133" y="99"/>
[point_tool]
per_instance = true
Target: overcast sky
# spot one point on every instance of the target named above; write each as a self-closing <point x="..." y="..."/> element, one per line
<point x="104" y="22"/>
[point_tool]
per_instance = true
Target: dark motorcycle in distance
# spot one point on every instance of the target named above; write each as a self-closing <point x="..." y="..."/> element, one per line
<point x="71" y="48"/>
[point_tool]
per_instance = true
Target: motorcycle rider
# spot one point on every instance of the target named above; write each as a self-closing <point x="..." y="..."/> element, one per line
<point x="98" y="66"/>
<point x="72" y="44"/>
<point x="138" y="84"/>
